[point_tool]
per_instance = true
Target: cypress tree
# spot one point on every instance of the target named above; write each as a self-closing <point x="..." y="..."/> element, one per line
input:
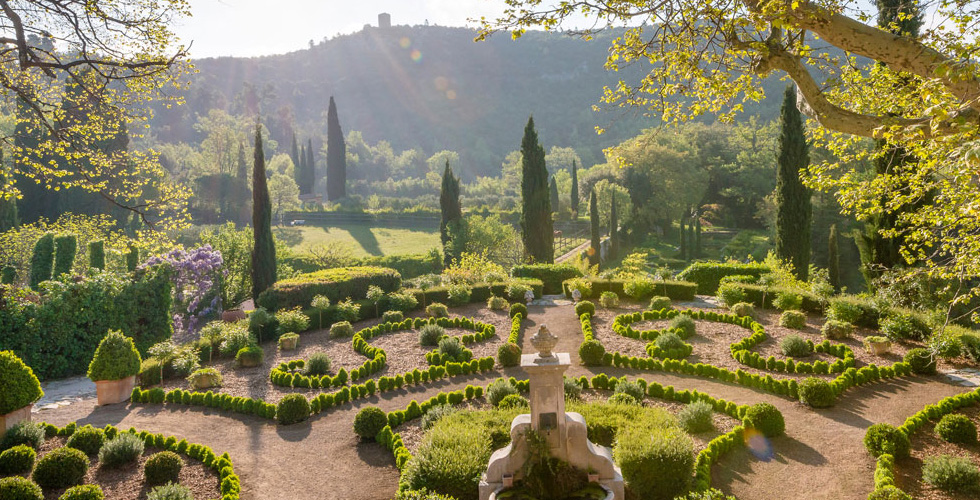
<point x="310" y="165"/>
<point x="42" y="260"/>
<point x="336" y="156"/>
<point x="537" y="231"/>
<point x="792" y="197"/>
<point x="613" y="228"/>
<point x="132" y="258"/>
<point x="66" y="246"/>
<point x="8" y="205"/>
<point x="96" y="255"/>
<point x="294" y="155"/>
<point x="553" y="187"/>
<point x="575" y="197"/>
<point x="264" y="249"/>
<point x="833" y="258"/>
<point x="301" y="171"/>
<point x="594" y="251"/>
<point x="452" y="216"/>
<point x="242" y="172"/>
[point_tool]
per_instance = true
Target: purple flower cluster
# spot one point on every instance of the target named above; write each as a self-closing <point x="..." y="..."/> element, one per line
<point x="196" y="284"/>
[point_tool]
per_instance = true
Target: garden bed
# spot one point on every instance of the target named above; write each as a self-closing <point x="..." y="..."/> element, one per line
<point x="925" y="443"/>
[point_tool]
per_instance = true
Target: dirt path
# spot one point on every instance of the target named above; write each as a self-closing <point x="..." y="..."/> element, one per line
<point x="821" y="457"/>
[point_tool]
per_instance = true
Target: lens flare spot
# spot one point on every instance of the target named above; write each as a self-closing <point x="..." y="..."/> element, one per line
<point x="758" y="445"/>
<point x="405" y="42"/>
<point x="451" y="94"/>
<point x="441" y="83"/>
<point x="416" y="55"/>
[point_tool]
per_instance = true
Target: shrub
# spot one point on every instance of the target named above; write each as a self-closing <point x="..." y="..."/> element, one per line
<point x="795" y="346"/>
<point x="946" y="344"/>
<point x="846" y="311"/>
<point x="900" y="326"/>
<point x="834" y="329"/>
<point x="765" y="418"/>
<point x="317" y="365"/>
<point x="123" y="449"/>
<point x="657" y="462"/>
<point x="452" y="348"/>
<point x="816" y="392"/>
<point x="591" y="352"/>
<point x="83" y="492"/>
<point x="335" y="284"/>
<point x="163" y="467"/>
<point x="60" y="468"/>
<point x="708" y="275"/>
<point x="583" y="285"/>
<point x="889" y="493"/>
<point x="668" y="341"/>
<point x="609" y="300"/>
<point x="292" y="320"/>
<point x="658" y="303"/>
<point x="205" y="378"/>
<point x="20" y="386"/>
<point x="731" y="294"/>
<point x="621" y="398"/>
<point x="27" y="433"/>
<point x="18" y="488"/>
<point x="551" y="275"/>
<point x="458" y="295"/>
<point x="788" y="301"/>
<point x="392" y="317"/>
<point x="497" y="303"/>
<point x="793" y="319"/>
<point x="509" y="354"/>
<point x="115" y="358"/>
<point x="235" y="337"/>
<point x="292" y="408"/>
<point x="684" y="323"/>
<point x="585" y="307"/>
<point x="430" y="334"/>
<point x="950" y="473"/>
<point x="451" y="457"/>
<point x="369" y="421"/>
<point x="288" y="341"/>
<point x="639" y="288"/>
<point x="437" y="310"/>
<point x="250" y="356"/>
<point x="435" y="413"/>
<point x="88" y="439"/>
<point x="348" y="311"/>
<point x="517" y="291"/>
<point x="514" y="401"/>
<point x="631" y="388"/>
<point x="743" y="309"/>
<point x="957" y="428"/>
<point x="151" y="372"/>
<point x="402" y="302"/>
<point x="921" y="361"/>
<point x="17" y="460"/>
<point x="572" y="389"/>
<point x="170" y="491"/>
<point x="261" y="325"/>
<point x="518" y="308"/>
<point x="341" y="329"/>
<point x="498" y="390"/>
<point x="697" y="417"/>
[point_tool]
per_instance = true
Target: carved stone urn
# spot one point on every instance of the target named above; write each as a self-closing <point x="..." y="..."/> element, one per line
<point x="544" y="341"/>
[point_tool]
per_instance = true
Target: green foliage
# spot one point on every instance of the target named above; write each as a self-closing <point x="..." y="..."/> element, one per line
<point x="765" y="418"/>
<point x="317" y="365"/>
<point x="889" y="493"/>
<point x="17" y="460"/>
<point x="20" y="386"/>
<point x="430" y="334"/>
<point x="115" y="358"/>
<point x="630" y="388"/>
<point x="793" y="319"/>
<point x="452" y="349"/>
<point x="621" y="398"/>
<point x="170" y="491"/>
<point x="731" y="294"/>
<point x="288" y="342"/>
<point x="453" y="455"/>
<point x="609" y="300"/>
<point x="514" y="401"/>
<point x="743" y="309"/>
<point x="292" y="320"/>
<point x="657" y="462"/>
<point x="853" y="310"/>
<point x="162" y="468"/>
<point x="949" y="473"/>
<point x="591" y="352"/>
<point x="795" y="346"/>
<point x="8" y="274"/>
<point x="816" y="392"/>
<point x="18" y="488"/>
<point x="518" y="308"/>
<point x="573" y="390"/>
<point x="123" y="449"/>
<point x="64" y="258"/>
<point x="23" y="433"/>
<point x="60" y="468"/>
<point x="292" y="408"/>
<point x="957" y="428"/>
<point x="335" y="284"/>
<point x="452" y="215"/>
<point x="584" y="307"/>
<point x="683" y="323"/>
<point x="708" y="275"/>
<point x="88" y="439"/>
<point x="696" y="417"/>
<point x="788" y="301"/>
<point x="264" y="246"/>
<point x="509" y="354"/>
<point x="336" y="155"/>
<point x="83" y="492"/>
<point x="669" y="341"/>
<point x="793" y="207"/>
<point x="236" y="336"/>
<point x="435" y="413"/>
<point x="205" y="378"/>
<point x="498" y="390"/>
<point x="658" y="303"/>
<point x="42" y="260"/>
<point x="437" y="310"/>
<point x="96" y="254"/>
<point x="251" y="355"/>
<point x="536" y="225"/>
<point x="835" y="330"/>
<point x="341" y="329"/>
<point x="497" y="303"/>
<point x="132" y="258"/>
<point x="369" y="421"/>
<point x="900" y="326"/>
<point x="921" y="361"/>
<point x="393" y="316"/>
<point x="551" y="275"/>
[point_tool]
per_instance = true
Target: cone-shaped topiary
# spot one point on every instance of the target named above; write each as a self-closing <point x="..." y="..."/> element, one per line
<point x="115" y="358"/>
<point x="20" y="386"/>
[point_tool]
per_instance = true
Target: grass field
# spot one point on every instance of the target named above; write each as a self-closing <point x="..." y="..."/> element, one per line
<point x="362" y="240"/>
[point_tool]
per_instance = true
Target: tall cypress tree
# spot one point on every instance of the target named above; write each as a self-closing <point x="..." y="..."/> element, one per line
<point x="793" y="207"/>
<point x="294" y="155"/>
<point x="553" y="187"/>
<point x="452" y="215"/>
<point x="537" y="230"/>
<point x="336" y="156"/>
<point x="264" y="250"/>
<point x="833" y="258"/>
<point x="575" y="196"/>
<point x="594" y="249"/>
<point x="613" y="227"/>
<point x="301" y="171"/>
<point x="310" y="165"/>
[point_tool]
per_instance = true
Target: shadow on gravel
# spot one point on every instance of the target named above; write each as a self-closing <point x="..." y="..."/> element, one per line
<point x="294" y="432"/>
<point x="787" y="449"/>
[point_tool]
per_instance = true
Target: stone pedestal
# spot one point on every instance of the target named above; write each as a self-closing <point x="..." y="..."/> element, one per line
<point x="13" y="418"/>
<point x="114" y="391"/>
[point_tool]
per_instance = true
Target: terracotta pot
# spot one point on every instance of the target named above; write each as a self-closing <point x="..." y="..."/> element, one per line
<point x="13" y="418"/>
<point x="233" y="315"/>
<point x="879" y="348"/>
<point x="114" y="391"/>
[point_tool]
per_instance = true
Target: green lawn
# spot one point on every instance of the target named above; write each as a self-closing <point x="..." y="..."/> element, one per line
<point x="361" y="240"/>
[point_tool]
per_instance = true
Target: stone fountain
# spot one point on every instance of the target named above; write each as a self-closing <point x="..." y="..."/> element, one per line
<point x="565" y="433"/>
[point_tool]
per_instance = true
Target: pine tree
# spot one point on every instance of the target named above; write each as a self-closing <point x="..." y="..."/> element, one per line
<point x="793" y="207"/>
<point x="537" y="230"/>
<point x="336" y="156"/>
<point x="264" y="249"/>
<point x="833" y="258"/>
<point x="594" y="250"/>
<point x="242" y="173"/>
<point x="8" y="206"/>
<point x="613" y="228"/>
<point x="575" y="197"/>
<point x="452" y="216"/>
<point x="553" y="187"/>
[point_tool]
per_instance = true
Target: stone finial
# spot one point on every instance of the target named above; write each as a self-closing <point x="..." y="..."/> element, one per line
<point x="544" y="341"/>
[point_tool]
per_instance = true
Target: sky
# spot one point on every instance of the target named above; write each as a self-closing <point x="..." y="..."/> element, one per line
<point x="256" y="28"/>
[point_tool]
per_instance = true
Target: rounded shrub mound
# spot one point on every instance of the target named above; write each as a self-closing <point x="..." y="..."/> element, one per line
<point x="884" y="438"/>
<point x="696" y="417"/>
<point x="572" y="389"/>
<point x="795" y="346"/>
<point x="20" y="386"/>
<point x="162" y="468"/>
<point x="609" y="300"/>
<point x="17" y="460"/>
<point x="657" y="462"/>
<point x="889" y="493"/>
<point x="621" y="398"/>
<point x="430" y="334"/>
<point x="657" y="303"/>
<point x="171" y="491"/>
<point x="369" y="422"/>
<point x="515" y="401"/>
<point x="317" y="365"/>
<point x="953" y="474"/>
<point x="683" y="323"/>
<point x="18" y="488"/>
<point x="88" y="439"/>
<point x="835" y="330"/>
<point x="585" y="307"/>
<point x="250" y="356"/>
<point x="730" y="294"/>
<point x="450" y="458"/>
<point x="793" y="319"/>
<point x="788" y="301"/>
<point x="669" y="340"/>
<point x="591" y="352"/>
<point x="437" y="310"/>
<point x="452" y="348"/>
<point x="498" y="390"/>
<point x="60" y="468"/>
<point x="509" y="354"/>
<point x="83" y="492"/>
<point x="292" y="408"/>
<point x="766" y="419"/>
<point x="497" y="303"/>
<point x="435" y="413"/>
<point x="957" y="428"/>
<point x="27" y="433"/>
<point x="341" y="329"/>
<point x="816" y="393"/>
<point x="518" y="308"/>
<point x="921" y="361"/>
<point x="392" y="317"/>
<point x="115" y="358"/>
<point x="630" y="387"/>
<point x="205" y="378"/>
<point x="743" y="309"/>
<point x="123" y="449"/>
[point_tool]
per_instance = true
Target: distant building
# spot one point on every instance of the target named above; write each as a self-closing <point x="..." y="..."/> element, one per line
<point x="384" y="20"/>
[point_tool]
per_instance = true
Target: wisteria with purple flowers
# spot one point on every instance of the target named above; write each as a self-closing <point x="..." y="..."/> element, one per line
<point x="196" y="282"/>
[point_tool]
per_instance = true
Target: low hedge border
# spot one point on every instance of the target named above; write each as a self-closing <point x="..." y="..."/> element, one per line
<point x="708" y="275"/>
<point x="676" y="290"/>
<point x="551" y="275"/>
<point x="229" y="482"/>
<point x="515" y="329"/>
<point x="679" y="353"/>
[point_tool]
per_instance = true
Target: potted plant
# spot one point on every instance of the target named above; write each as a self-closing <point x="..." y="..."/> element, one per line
<point x="114" y="368"/>
<point x="877" y="345"/>
<point x="19" y="390"/>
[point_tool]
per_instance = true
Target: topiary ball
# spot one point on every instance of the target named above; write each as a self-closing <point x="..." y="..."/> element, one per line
<point x="18" y="488"/>
<point x="20" y="386"/>
<point x="835" y="330"/>
<point x="766" y="419"/>
<point x="921" y="361"/>
<point x="88" y="439"/>
<point x="658" y="303"/>
<point x="115" y="358"/>
<point x="430" y="334"/>
<point x="884" y="438"/>
<point x="585" y="307"/>
<point x="957" y="428"/>
<point x="743" y="309"/>
<point x="591" y="352"/>
<point x="61" y="468"/>
<point x="793" y="319"/>
<point x="83" y="492"/>
<point x="292" y="408"/>
<point x="392" y="317"/>
<point x="162" y="468"/>
<point x="249" y="356"/>
<point x="684" y="325"/>
<point x="816" y="393"/>
<point x="369" y="422"/>
<point x="509" y="354"/>
<point x="17" y="460"/>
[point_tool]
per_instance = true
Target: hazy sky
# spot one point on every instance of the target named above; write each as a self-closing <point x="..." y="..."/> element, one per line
<point x="262" y="27"/>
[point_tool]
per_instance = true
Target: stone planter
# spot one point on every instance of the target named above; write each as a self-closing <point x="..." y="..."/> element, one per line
<point x="288" y="344"/>
<point x="114" y="391"/>
<point x="249" y="362"/>
<point x="233" y="315"/>
<point x="15" y="417"/>
<point x="878" y="348"/>
<point x="609" y="493"/>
